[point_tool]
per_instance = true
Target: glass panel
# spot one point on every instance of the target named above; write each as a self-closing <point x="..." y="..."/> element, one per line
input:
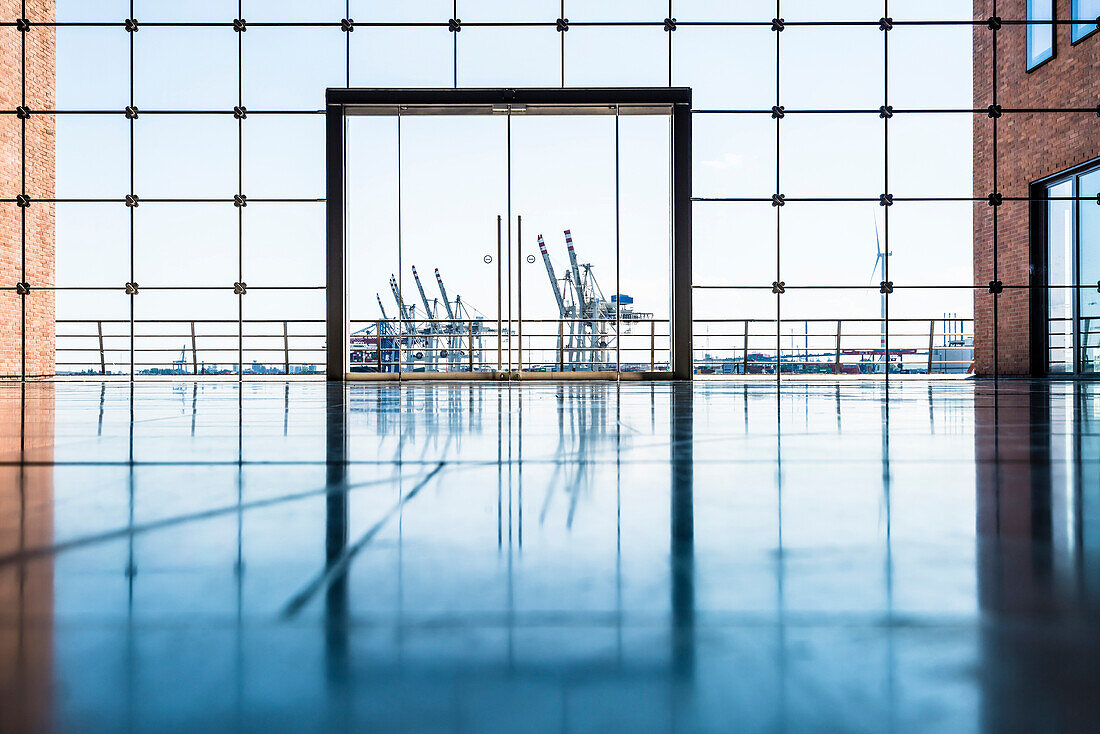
<point x="645" y="243"/>
<point x="1088" y="235"/>
<point x="563" y="174"/>
<point x="438" y="212"/>
<point x="92" y="247"/>
<point x="93" y="331"/>
<point x="1060" y="274"/>
<point x="1040" y="36"/>
<point x="1082" y="10"/>
<point x="518" y="57"/>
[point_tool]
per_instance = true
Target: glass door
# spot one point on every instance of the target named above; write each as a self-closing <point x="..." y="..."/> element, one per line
<point x="508" y="241"/>
<point x="591" y="266"/>
<point x="427" y="199"/>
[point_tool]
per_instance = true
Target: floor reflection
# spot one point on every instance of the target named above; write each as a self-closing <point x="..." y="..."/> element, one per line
<point x="576" y="557"/>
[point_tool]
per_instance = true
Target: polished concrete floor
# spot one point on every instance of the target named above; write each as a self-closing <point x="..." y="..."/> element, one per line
<point x="550" y="558"/>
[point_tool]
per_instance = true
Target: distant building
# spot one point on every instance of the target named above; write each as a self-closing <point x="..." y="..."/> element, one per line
<point x="1045" y="134"/>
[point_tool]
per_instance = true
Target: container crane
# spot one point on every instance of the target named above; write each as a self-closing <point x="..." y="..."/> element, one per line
<point x="584" y="308"/>
<point x="453" y="328"/>
<point x="563" y="311"/>
<point x="429" y="339"/>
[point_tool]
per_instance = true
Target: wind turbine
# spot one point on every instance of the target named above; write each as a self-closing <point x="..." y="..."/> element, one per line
<point x="880" y="259"/>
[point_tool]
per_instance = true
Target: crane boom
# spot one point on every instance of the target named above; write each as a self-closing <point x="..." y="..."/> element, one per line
<point x="553" y="279"/>
<point x="381" y="307"/>
<point x="423" y="296"/>
<point x="443" y="292"/>
<point x="577" y="287"/>
<point x="397" y="297"/>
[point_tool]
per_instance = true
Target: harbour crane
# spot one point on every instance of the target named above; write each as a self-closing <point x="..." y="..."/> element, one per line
<point x="429" y="339"/>
<point x="563" y="311"/>
<point x="453" y="328"/>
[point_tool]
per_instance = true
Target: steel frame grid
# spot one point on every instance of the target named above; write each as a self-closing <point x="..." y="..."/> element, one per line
<point x="562" y="25"/>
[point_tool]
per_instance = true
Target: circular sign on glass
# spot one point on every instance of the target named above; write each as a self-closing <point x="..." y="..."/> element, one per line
<point x="488" y="259"/>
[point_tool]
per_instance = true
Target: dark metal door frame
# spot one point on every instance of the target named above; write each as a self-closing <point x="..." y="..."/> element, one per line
<point x="339" y="101"/>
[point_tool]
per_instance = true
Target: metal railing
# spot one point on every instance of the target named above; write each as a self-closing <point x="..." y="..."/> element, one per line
<point x="833" y="346"/>
<point x="530" y="345"/>
<point x="203" y="346"/>
<point x="198" y="347"/>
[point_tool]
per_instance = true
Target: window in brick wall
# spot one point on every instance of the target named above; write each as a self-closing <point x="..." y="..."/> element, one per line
<point x="1085" y="10"/>
<point x="1040" y="34"/>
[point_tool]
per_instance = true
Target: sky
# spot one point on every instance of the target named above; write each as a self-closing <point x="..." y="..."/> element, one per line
<point x="454" y="170"/>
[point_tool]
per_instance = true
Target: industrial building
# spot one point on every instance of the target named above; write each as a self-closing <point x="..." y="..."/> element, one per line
<point x="557" y="366"/>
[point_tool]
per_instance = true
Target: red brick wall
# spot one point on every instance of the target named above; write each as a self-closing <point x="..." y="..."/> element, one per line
<point x="1030" y="146"/>
<point x="41" y="66"/>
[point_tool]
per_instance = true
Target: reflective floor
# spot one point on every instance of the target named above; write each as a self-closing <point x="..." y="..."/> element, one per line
<point x="550" y="558"/>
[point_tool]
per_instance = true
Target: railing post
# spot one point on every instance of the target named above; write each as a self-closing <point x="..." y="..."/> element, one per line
<point x="194" y="352"/>
<point x="652" y="344"/>
<point x="745" y="351"/>
<point x="102" y="358"/>
<point x="836" y="363"/>
<point x="931" y="336"/>
<point x="286" y="350"/>
<point x="470" y="345"/>
<point x="561" y="346"/>
<point x="378" y="344"/>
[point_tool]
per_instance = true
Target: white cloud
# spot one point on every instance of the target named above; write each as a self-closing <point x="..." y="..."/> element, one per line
<point x="726" y="162"/>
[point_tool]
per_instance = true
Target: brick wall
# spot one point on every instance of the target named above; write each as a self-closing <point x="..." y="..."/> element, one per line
<point x="1030" y="146"/>
<point x="39" y="218"/>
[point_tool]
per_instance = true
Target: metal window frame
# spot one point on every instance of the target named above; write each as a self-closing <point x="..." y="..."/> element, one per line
<point x="339" y="102"/>
<point x="1074" y="39"/>
<point x="1027" y="35"/>
<point x="1039" y="278"/>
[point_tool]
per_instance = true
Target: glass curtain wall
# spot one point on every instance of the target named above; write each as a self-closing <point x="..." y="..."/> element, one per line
<point x="189" y="169"/>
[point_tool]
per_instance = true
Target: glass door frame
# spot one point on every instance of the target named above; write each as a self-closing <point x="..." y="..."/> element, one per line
<point x="1039" y="284"/>
<point x="343" y="102"/>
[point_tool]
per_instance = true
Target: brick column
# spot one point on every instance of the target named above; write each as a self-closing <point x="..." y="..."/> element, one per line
<point x="36" y="136"/>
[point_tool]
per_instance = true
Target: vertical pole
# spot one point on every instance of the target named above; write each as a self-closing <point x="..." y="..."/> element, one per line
<point x="509" y="213"/>
<point x="194" y="351"/>
<point x="618" y="287"/>
<point x="286" y="350"/>
<point x="102" y="358"/>
<point x="682" y="356"/>
<point x="931" y="336"/>
<point x="499" y="286"/>
<point x="378" y="344"/>
<point x="336" y="340"/>
<point x="745" y="351"/>
<point x="519" y="285"/>
<point x="470" y="350"/>
<point x="652" y="344"/>
<point x="836" y="363"/>
<point x="561" y="346"/>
